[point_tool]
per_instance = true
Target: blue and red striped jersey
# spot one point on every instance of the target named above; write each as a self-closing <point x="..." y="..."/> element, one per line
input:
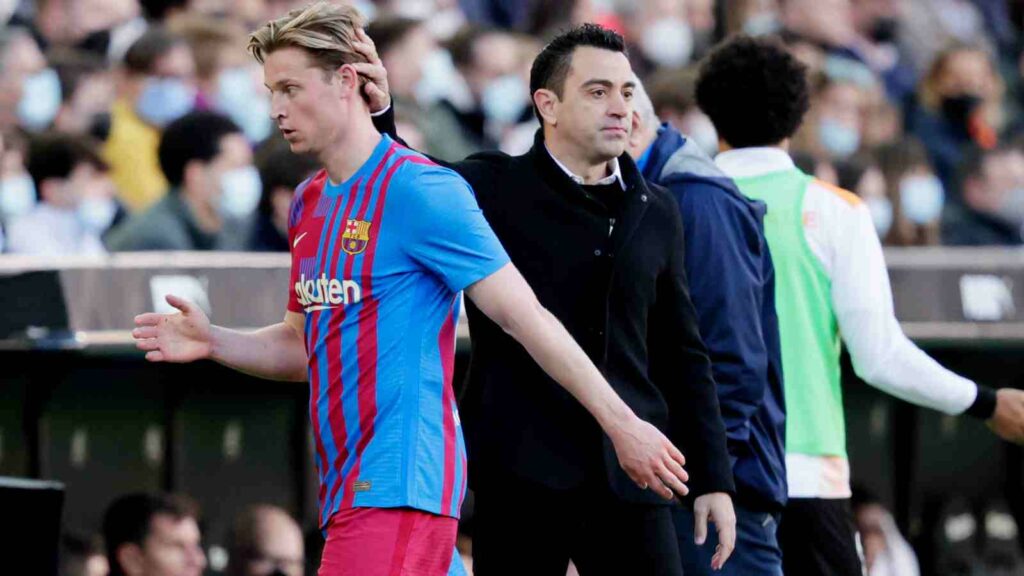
<point x="378" y="262"/>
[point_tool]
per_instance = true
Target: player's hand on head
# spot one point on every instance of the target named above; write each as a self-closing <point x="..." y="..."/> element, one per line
<point x="650" y="459"/>
<point x="180" y="337"/>
<point x="376" y="86"/>
<point x="1008" y="420"/>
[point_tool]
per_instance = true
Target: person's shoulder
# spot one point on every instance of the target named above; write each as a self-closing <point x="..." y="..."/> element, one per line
<point x="418" y="171"/>
<point x="833" y="198"/>
<point x="484" y="166"/>
<point x="690" y="169"/>
<point x="419" y="183"/>
<point x="158" y="227"/>
<point x="692" y="161"/>
<point x="834" y="211"/>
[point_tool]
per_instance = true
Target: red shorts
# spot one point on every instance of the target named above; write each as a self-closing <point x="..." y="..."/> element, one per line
<point x="390" y="542"/>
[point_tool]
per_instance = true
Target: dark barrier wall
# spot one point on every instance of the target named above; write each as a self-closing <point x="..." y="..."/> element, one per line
<point x="79" y="405"/>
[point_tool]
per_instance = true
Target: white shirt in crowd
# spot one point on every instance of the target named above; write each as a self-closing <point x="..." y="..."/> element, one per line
<point x="50" y="231"/>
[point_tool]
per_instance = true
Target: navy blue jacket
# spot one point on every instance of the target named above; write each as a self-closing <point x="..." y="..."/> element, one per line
<point x="732" y="285"/>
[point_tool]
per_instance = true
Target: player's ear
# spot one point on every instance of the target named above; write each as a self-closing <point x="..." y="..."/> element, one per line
<point x="547" y="103"/>
<point x="351" y="82"/>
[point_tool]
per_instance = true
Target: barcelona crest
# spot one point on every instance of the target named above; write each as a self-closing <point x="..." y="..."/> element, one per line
<point x="355" y="237"/>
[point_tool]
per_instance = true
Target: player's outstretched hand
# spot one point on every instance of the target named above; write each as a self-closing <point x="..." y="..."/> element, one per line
<point x="1008" y="420"/>
<point x="180" y="337"/>
<point x="376" y="86"/>
<point x="650" y="459"/>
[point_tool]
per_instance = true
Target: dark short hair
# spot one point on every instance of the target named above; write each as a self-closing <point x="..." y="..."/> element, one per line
<point x="851" y="171"/>
<point x="279" y="167"/>
<point x="73" y="67"/>
<point x="460" y="46"/>
<point x="128" y="520"/>
<point x="389" y="31"/>
<point x="158" y="10"/>
<point x="143" y="54"/>
<point x="551" y="67"/>
<point x="755" y="92"/>
<point x="57" y="154"/>
<point x="194" y="136"/>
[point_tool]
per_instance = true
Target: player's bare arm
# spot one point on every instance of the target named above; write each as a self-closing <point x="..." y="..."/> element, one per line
<point x="276" y="352"/>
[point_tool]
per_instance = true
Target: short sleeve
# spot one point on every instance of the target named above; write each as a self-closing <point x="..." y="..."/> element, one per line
<point x="294" y="217"/>
<point x="446" y="232"/>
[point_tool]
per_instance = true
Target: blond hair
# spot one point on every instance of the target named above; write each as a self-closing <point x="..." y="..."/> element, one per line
<point x="326" y="31"/>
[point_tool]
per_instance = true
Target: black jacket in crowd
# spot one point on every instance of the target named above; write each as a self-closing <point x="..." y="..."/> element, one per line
<point x="623" y="297"/>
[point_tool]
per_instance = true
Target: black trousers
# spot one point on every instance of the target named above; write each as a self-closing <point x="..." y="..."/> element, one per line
<point x="523" y="529"/>
<point x="818" y="538"/>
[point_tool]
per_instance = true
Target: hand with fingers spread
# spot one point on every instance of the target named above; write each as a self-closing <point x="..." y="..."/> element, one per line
<point x="376" y="87"/>
<point x="717" y="507"/>
<point x="650" y="459"/>
<point x="181" y="337"/>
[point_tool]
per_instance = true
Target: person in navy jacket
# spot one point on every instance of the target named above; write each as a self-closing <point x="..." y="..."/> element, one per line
<point x="732" y="286"/>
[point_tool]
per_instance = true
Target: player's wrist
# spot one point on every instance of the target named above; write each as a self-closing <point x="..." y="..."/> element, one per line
<point x="215" y="345"/>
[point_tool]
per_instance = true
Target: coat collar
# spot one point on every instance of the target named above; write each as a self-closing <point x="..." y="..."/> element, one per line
<point x="638" y="196"/>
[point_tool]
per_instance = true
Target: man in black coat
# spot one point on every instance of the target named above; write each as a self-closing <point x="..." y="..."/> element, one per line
<point x="603" y="251"/>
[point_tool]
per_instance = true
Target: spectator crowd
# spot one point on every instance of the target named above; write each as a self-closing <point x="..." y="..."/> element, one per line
<point x="130" y="125"/>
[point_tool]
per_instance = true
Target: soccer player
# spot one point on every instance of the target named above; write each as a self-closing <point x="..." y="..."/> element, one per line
<point x="831" y="279"/>
<point x="382" y="243"/>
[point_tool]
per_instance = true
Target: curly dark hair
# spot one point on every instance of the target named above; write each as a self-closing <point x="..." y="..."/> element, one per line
<point x="551" y="67"/>
<point x="755" y="92"/>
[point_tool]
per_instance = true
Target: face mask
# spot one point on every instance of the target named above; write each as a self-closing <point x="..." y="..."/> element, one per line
<point x="164" y="100"/>
<point x="762" y="24"/>
<point x="504" y="99"/>
<point x="885" y="30"/>
<point x="439" y="80"/>
<point x="701" y="130"/>
<point x="240" y="191"/>
<point x="839" y="140"/>
<point x="668" y="43"/>
<point x="881" y="214"/>
<point x="249" y="108"/>
<point x="367" y="8"/>
<point x="17" y="196"/>
<point x="1012" y="207"/>
<point x="958" y="109"/>
<point x="921" y="198"/>
<point x="40" y="100"/>
<point x="96" y="214"/>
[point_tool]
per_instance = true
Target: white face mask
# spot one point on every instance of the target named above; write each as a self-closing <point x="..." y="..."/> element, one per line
<point x="440" y="80"/>
<point x="96" y="214"/>
<point x="881" y="214"/>
<point x="40" y="99"/>
<point x="504" y="99"/>
<point x="1012" y="206"/>
<point x="668" y="42"/>
<point x="921" y="198"/>
<point x="238" y="97"/>
<point x="699" y="128"/>
<point x="17" y="196"/>
<point x="240" y="191"/>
